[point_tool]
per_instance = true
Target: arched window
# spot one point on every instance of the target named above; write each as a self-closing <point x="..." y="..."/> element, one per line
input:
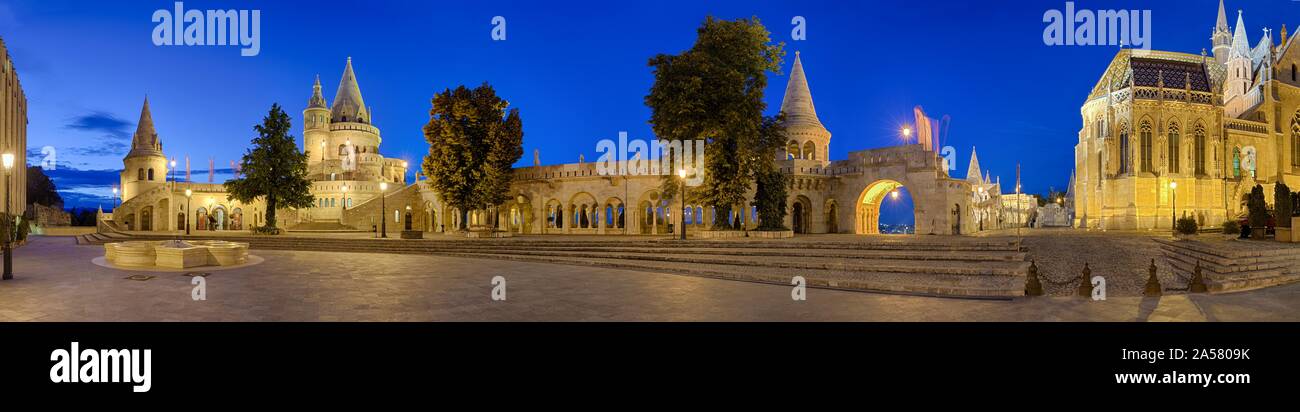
<point x="1236" y="162"/>
<point x="1198" y="150"/>
<point x="1174" y="149"/>
<point x="810" y="151"/>
<point x="1145" y="141"/>
<point x="151" y="173"/>
<point x="1295" y="138"/>
<point x="139" y="174"/>
<point x="792" y="150"/>
<point x="1124" y="154"/>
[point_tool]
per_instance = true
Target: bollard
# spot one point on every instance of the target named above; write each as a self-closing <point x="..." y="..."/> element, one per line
<point x="1033" y="287"/>
<point x="1153" y="283"/>
<point x="1085" y="282"/>
<point x="1197" y="285"/>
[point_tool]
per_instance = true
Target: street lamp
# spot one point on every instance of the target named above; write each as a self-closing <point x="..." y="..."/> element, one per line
<point x="188" y="194"/>
<point x="10" y="228"/>
<point x="344" y="203"/>
<point x="115" y="197"/>
<point x="173" y="170"/>
<point x="383" y="223"/>
<point x="1173" y="209"/>
<point x="682" y="174"/>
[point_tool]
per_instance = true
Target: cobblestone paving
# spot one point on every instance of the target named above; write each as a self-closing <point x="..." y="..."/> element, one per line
<point x="56" y="281"/>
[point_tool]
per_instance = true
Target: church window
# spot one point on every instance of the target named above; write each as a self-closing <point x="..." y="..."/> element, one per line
<point x="1295" y="139"/>
<point x="1199" y="149"/>
<point x="1145" y="137"/>
<point x="1123" y="152"/>
<point x="1236" y="162"/>
<point x="1174" y="144"/>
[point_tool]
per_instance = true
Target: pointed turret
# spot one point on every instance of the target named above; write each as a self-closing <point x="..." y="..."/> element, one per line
<point x="973" y="172"/>
<point x="145" y="141"/>
<point x="801" y="124"/>
<point x="1222" y="37"/>
<point x="1240" y="43"/>
<point x="798" y="103"/>
<point x="348" y="105"/>
<point x="317" y="100"/>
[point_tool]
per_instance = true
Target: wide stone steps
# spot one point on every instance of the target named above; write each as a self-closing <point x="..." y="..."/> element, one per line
<point x="915" y="283"/>
<point x="1233" y="267"/>
<point x="984" y="268"/>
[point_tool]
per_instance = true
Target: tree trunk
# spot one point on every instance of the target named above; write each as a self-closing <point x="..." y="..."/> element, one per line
<point x="270" y="211"/>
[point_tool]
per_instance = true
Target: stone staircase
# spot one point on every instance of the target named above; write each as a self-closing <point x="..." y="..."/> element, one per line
<point x="952" y="267"/>
<point x="322" y="226"/>
<point x="1234" y="266"/>
<point x="100" y="238"/>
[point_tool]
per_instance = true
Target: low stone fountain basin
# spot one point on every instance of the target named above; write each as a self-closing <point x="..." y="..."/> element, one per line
<point x="176" y="254"/>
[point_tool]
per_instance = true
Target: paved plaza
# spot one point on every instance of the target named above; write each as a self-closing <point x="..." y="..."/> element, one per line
<point x="56" y="281"/>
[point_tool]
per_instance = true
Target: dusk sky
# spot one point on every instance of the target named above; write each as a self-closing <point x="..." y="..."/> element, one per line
<point x="577" y="71"/>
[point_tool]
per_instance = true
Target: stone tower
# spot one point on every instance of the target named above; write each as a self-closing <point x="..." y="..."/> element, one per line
<point x="1222" y="37"/>
<point x="801" y="123"/>
<point x="1240" y="69"/>
<point x="145" y="165"/>
<point x="316" y="128"/>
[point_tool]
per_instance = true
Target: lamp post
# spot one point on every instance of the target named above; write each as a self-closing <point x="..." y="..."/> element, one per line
<point x="115" y="197"/>
<point x="12" y="226"/>
<point x="344" y="203"/>
<point x="383" y="223"/>
<point x="173" y="164"/>
<point x="1173" y="209"/>
<point x="682" y="174"/>
<point x="188" y="194"/>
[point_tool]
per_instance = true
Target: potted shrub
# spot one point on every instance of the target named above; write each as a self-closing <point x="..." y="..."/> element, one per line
<point x="1186" y="227"/>
<point x="1230" y="227"/>
<point x="1282" y="209"/>
<point x="1258" y="212"/>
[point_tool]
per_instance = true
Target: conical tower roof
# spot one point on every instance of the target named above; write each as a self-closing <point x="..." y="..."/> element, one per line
<point x="1222" y="23"/>
<point x="348" y="105"/>
<point x="973" y="172"/>
<point x="145" y="142"/>
<point x="798" y="102"/>
<point x="1240" y="43"/>
<point x="317" y="100"/>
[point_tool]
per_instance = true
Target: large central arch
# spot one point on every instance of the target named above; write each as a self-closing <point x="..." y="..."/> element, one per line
<point x="867" y="217"/>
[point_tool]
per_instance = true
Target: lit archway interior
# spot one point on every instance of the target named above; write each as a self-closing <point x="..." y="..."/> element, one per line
<point x="872" y="200"/>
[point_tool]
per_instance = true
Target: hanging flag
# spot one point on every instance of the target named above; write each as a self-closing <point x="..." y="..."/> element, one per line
<point x="211" y="169"/>
<point x="187" y="169"/>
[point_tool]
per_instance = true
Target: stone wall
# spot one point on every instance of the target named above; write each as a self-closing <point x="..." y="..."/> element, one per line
<point x="45" y="216"/>
<point x="367" y="214"/>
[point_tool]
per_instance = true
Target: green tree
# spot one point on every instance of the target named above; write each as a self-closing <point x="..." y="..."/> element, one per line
<point x="770" y="196"/>
<point x="1282" y="204"/>
<point x="714" y="91"/>
<point x="274" y="169"/>
<point x="1258" y="209"/>
<point x="473" y="145"/>
<point x="41" y="190"/>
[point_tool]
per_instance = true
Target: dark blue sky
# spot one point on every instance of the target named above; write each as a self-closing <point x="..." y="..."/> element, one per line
<point x="576" y="70"/>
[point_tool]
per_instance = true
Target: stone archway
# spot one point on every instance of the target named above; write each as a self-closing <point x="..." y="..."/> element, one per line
<point x="800" y="215"/>
<point x="867" y="216"/>
<point x="146" y="218"/>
